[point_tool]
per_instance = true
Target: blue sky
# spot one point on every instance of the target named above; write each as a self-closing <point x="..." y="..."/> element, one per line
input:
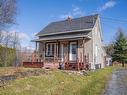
<point x="34" y="15"/>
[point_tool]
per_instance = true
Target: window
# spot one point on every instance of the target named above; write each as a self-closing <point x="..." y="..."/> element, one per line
<point x="50" y="49"/>
<point x="73" y="48"/>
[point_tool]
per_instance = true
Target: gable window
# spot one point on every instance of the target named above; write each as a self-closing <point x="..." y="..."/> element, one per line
<point x="50" y="49"/>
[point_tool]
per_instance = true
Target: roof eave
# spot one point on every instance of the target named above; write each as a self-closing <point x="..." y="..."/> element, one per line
<point x="63" y="32"/>
<point x="84" y="36"/>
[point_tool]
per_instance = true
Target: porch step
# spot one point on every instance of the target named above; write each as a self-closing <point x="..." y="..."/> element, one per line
<point x="74" y="66"/>
<point x="51" y="65"/>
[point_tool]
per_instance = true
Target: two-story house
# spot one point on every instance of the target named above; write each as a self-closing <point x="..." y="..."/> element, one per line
<point x="73" y="44"/>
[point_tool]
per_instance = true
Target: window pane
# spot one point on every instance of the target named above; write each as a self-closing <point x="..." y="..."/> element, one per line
<point x="73" y="48"/>
<point x="50" y="49"/>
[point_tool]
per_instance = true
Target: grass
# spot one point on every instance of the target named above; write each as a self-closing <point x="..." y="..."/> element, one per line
<point x="12" y="70"/>
<point x="59" y="83"/>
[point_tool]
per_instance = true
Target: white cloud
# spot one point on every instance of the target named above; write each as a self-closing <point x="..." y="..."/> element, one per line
<point x="24" y="38"/>
<point x="108" y="5"/>
<point x="76" y="9"/>
<point x="21" y="35"/>
<point x="75" y="12"/>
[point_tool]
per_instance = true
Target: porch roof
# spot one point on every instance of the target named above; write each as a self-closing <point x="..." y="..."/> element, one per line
<point x="62" y="38"/>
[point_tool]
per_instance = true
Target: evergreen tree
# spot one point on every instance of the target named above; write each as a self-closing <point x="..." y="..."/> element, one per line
<point x="120" y="48"/>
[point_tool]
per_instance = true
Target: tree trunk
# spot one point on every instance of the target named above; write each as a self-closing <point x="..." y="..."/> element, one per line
<point x="122" y="63"/>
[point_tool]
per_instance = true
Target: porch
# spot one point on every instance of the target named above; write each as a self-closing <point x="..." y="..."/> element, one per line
<point x="67" y="54"/>
<point x="65" y="50"/>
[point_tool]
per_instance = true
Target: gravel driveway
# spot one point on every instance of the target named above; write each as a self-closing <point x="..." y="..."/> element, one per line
<point x="118" y="83"/>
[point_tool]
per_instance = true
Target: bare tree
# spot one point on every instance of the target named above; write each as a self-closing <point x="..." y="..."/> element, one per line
<point x="109" y="49"/>
<point x="15" y="40"/>
<point x="7" y="12"/>
<point x="7" y="17"/>
<point x="6" y="42"/>
<point x="7" y="39"/>
<point x="1" y="37"/>
<point x="16" y="45"/>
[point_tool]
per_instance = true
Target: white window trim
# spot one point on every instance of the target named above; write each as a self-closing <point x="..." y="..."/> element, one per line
<point x="50" y="50"/>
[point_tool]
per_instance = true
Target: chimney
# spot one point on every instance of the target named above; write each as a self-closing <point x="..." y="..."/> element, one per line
<point x="69" y="19"/>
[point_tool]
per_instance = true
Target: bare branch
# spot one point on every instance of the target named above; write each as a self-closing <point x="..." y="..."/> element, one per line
<point x="7" y="12"/>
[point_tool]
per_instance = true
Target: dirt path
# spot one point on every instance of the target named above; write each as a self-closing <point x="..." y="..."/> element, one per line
<point x="118" y="83"/>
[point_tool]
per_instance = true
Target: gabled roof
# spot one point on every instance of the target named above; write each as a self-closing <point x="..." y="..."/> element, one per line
<point x="77" y="24"/>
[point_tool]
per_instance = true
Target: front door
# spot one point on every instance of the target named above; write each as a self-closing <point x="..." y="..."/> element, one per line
<point x="73" y="51"/>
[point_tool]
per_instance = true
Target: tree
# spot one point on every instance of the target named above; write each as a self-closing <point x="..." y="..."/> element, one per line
<point x="1" y="37"/>
<point x="15" y="40"/>
<point x="9" y="48"/>
<point x="109" y="49"/>
<point x="7" y="12"/>
<point x="16" y="46"/>
<point x="120" y="48"/>
<point x="7" y="39"/>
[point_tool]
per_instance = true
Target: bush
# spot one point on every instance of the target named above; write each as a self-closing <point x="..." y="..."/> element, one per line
<point x="7" y="56"/>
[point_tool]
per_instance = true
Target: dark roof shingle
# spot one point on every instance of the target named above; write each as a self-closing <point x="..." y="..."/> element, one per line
<point x="86" y="22"/>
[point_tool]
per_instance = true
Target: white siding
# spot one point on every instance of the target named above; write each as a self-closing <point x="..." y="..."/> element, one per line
<point x="98" y="51"/>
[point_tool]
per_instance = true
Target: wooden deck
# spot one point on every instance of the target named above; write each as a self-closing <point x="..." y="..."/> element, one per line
<point x="68" y="66"/>
<point x="33" y="64"/>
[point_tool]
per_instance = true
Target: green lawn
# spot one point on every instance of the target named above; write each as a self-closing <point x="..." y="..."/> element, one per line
<point x="59" y="83"/>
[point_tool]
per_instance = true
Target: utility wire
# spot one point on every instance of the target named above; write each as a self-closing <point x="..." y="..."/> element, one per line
<point x="108" y="25"/>
<point x="114" y="19"/>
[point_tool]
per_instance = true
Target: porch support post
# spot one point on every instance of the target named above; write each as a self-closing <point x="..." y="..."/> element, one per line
<point x="83" y="50"/>
<point x="68" y="59"/>
<point x="57" y="50"/>
<point x="36" y="47"/>
<point x="36" y="51"/>
<point x="66" y="56"/>
<point x="44" y="53"/>
<point x="77" y="60"/>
